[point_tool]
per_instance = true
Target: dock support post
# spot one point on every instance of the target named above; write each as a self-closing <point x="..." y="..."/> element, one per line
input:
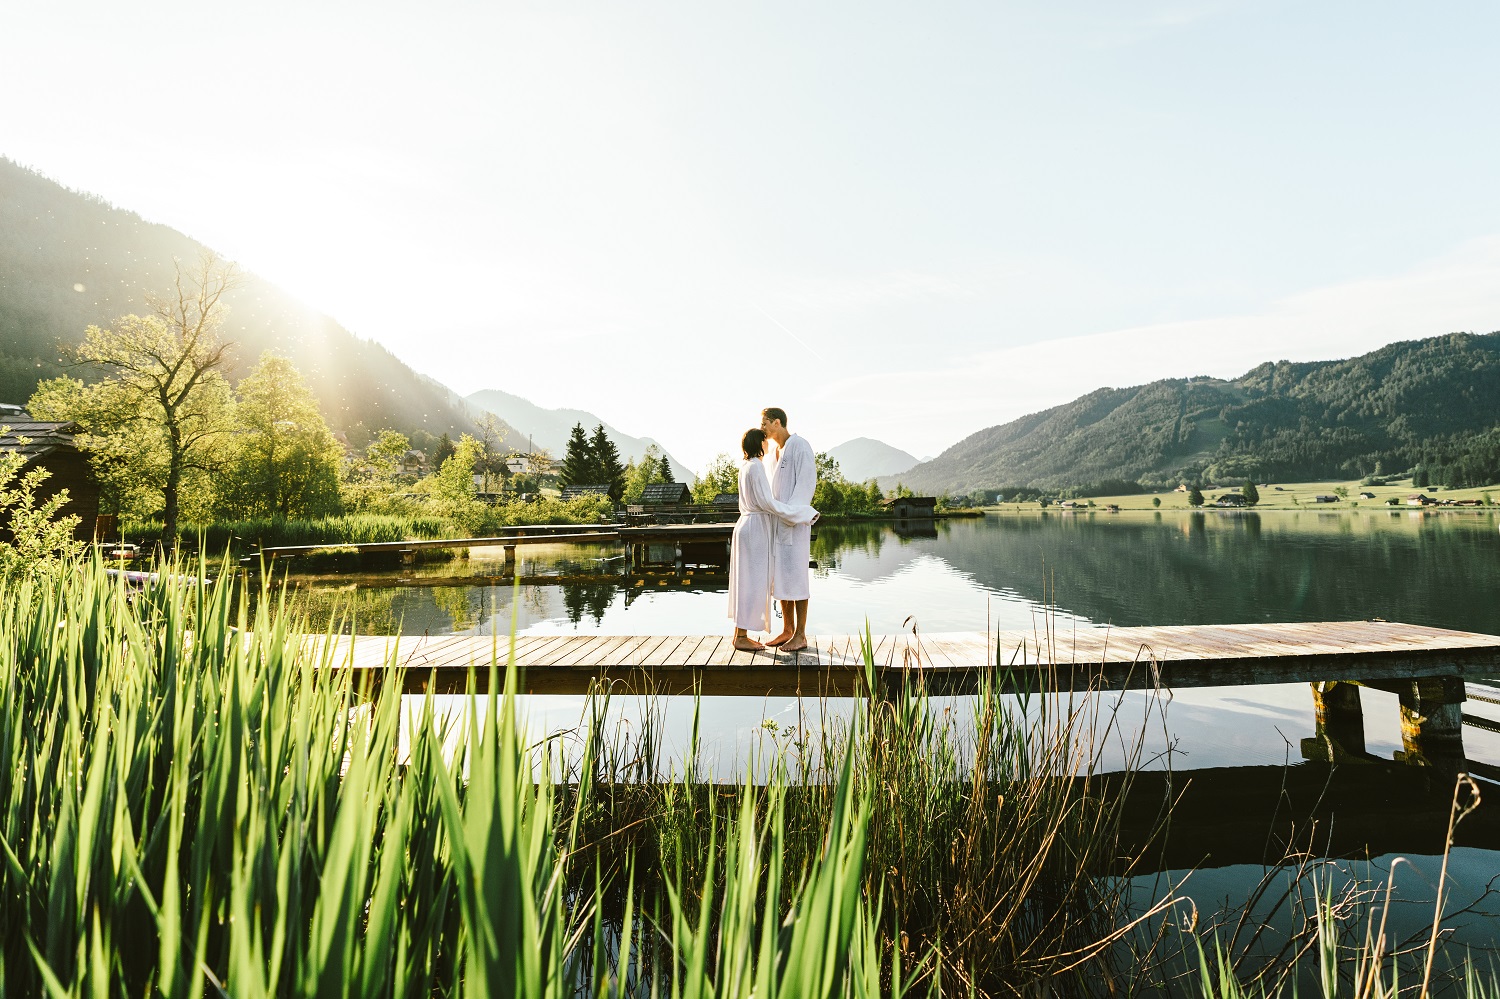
<point x="1340" y="723"/>
<point x="510" y="556"/>
<point x="1431" y="721"/>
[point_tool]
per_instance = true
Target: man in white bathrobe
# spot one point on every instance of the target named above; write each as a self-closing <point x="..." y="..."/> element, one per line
<point x="794" y="482"/>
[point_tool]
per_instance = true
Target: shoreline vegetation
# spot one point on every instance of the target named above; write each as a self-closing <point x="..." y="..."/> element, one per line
<point x="196" y="801"/>
<point x="1345" y="493"/>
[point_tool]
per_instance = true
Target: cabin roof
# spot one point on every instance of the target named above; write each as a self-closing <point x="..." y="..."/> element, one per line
<point x="665" y="492"/>
<point x="42" y="437"/>
<point x="590" y="489"/>
<point x="914" y="500"/>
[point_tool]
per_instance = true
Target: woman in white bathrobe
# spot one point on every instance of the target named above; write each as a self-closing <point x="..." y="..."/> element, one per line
<point x="750" y="555"/>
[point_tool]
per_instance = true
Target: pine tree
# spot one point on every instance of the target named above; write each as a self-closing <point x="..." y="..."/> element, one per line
<point x="664" y="472"/>
<point x="578" y="467"/>
<point x="607" y="463"/>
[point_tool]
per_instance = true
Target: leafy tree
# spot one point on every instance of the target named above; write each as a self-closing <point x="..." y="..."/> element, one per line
<point x="721" y="476"/>
<point x="38" y="538"/>
<point x="1251" y="494"/>
<point x="287" y="460"/>
<point x="491" y="439"/>
<point x="451" y="488"/>
<point x="607" y="463"/>
<point x="1195" y="497"/>
<point x="578" y="467"/>
<point x="1156" y="501"/>
<point x="1342" y="492"/>
<point x="164" y="412"/>
<point x="385" y="453"/>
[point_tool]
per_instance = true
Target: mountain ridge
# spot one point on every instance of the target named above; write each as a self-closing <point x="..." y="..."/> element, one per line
<point x="549" y="428"/>
<point x="1433" y="402"/>
<point x="55" y="241"/>
<point x="866" y="458"/>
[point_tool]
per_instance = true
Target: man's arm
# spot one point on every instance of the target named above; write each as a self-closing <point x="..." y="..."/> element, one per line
<point x="806" y="468"/>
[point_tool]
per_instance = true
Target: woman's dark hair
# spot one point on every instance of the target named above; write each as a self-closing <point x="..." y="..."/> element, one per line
<point x="753" y="443"/>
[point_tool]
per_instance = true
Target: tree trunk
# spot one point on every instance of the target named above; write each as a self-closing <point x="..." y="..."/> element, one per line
<point x="169" y="511"/>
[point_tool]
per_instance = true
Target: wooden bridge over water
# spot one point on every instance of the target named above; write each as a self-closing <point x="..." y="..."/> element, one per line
<point x="665" y="544"/>
<point x="1425" y="667"/>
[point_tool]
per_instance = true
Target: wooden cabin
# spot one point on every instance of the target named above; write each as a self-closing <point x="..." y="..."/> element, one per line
<point x="910" y="507"/>
<point x="50" y="445"/>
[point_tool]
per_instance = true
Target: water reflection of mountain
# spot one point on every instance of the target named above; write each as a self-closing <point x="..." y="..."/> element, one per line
<point x="1202" y="568"/>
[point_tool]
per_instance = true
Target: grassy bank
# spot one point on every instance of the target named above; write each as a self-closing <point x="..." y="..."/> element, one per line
<point x="475" y="520"/>
<point x="192" y="803"/>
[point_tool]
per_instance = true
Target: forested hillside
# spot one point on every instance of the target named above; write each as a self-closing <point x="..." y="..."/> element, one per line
<point x="69" y="259"/>
<point x="1433" y="403"/>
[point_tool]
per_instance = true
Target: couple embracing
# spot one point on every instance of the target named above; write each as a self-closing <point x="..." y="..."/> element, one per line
<point x="768" y="558"/>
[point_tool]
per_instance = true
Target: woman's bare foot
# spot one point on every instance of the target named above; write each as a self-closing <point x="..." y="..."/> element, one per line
<point x="779" y="640"/>
<point x="747" y="644"/>
<point x="794" y="644"/>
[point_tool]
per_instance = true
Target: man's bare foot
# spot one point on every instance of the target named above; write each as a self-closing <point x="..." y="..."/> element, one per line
<point x="794" y="644"/>
<point x="781" y="639"/>
<point x="748" y="645"/>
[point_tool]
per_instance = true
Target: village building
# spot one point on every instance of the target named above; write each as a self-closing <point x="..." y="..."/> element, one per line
<point x="50" y="445"/>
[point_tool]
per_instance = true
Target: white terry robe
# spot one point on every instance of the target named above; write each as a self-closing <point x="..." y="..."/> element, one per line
<point x="750" y="551"/>
<point x="795" y="481"/>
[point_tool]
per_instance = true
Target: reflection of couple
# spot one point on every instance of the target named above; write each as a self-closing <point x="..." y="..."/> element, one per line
<point x="773" y="537"/>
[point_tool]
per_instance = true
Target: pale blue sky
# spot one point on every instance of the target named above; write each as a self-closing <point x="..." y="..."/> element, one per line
<point x="972" y="210"/>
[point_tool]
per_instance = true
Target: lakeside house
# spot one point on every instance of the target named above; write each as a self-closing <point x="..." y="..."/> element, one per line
<point x="51" y="445"/>
<point x="1325" y="498"/>
<point x="1231" y="499"/>
<point x="914" y="507"/>
<point x="1420" y="499"/>
<point x="1366" y="495"/>
<point x="413" y="463"/>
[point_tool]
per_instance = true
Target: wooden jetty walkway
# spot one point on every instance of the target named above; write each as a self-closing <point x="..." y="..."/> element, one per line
<point x="952" y="663"/>
<point x="1425" y="667"/>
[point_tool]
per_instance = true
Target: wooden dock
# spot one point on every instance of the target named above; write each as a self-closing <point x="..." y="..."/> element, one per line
<point x="1425" y="667"/>
<point x="1372" y="652"/>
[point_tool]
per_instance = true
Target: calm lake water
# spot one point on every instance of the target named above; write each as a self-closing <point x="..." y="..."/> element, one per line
<point x="1081" y="571"/>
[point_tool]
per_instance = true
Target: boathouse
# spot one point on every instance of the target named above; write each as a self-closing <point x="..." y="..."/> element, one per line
<point x="50" y="445"/>
<point x="911" y="507"/>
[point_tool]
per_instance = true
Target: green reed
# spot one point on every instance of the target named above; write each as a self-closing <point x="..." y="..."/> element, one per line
<point x="192" y="802"/>
<point x="195" y="801"/>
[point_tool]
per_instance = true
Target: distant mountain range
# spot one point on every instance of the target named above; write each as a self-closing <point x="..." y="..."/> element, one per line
<point x="1433" y="402"/>
<point x="69" y="259"/>
<point x="550" y="428"/>
<point x="863" y="458"/>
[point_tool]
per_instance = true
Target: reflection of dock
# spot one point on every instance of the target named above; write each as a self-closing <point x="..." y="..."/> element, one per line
<point x="1257" y="815"/>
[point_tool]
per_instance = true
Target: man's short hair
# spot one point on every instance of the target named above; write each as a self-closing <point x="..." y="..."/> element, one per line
<point x="774" y="413"/>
